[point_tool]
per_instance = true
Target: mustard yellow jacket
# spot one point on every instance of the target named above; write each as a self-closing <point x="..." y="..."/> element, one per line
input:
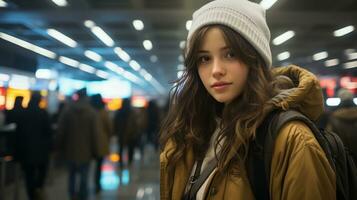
<point x="299" y="168"/>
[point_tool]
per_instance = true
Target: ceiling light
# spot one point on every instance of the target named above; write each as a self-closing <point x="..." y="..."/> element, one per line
<point x="179" y="74"/>
<point x="86" y="68"/>
<point x="343" y="31"/>
<point x="352" y="56"/>
<point x="266" y="4"/>
<point x="147" y="45"/>
<point x="181" y="58"/>
<point x="43" y="74"/>
<point x="143" y="72"/>
<point x="350" y="65"/>
<point x="283" y="56"/>
<point x="114" y="67"/>
<point x="182" y="44"/>
<point x="188" y="24"/>
<point x="148" y="77"/>
<point x="52" y="85"/>
<point x="3" y="3"/>
<point x="19" y="82"/>
<point x="89" y="24"/>
<point x="131" y="77"/>
<point x="93" y="55"/>
<point x="154" y="58"/>
<point x="61" y="37"/>
<point x="138" y="25"/>
<point x="333" y="101"/>
<point x="4" y="77"/>
<point x="122" y="54"/>
<point x="332" y="62"/>
<point x="283" y="37"/>
<point x="103" y="36"/>
<point x="320" y="56"/>
<point x="135" y="65"/>
<point x="60" y="3"/>
<point x="102" y="74"/>
<point x="68" y="61"/>
<point x="110" y="65"/>
<point x="180" y="67"/>
<point x="28" y="45"/>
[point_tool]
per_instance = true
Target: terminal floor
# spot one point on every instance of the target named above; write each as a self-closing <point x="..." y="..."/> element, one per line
<point x="138" y="182"/>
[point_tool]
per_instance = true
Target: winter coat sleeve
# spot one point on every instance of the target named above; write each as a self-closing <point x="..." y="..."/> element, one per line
<point x="299" y="168"/>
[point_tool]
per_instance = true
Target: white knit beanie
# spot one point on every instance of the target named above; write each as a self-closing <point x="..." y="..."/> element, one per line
<point x="243" y="16"/>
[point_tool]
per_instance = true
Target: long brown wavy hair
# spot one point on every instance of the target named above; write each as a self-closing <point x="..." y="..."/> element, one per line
<point x="192" y="115"/>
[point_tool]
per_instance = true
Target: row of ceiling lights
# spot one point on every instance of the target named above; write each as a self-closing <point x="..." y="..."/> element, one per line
<point x="320" y="55"/>
<point x="62" y="59"/>
<point x="264" y="3"/>
<point x="105" y="38"/>
<point x="108" y="41"/>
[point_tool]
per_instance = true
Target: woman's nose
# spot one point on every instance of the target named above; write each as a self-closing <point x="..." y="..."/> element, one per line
<point x="218" y="68"/>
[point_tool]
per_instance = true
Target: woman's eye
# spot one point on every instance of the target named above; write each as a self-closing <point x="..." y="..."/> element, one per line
<point x="230" y="55"/>
<point x="203" y="59"/>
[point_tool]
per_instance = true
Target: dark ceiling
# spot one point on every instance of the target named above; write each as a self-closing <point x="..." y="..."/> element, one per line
<point x="312" y="20"/>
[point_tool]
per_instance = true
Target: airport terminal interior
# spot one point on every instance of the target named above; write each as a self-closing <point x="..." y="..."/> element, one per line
<point x="133" y="49"/>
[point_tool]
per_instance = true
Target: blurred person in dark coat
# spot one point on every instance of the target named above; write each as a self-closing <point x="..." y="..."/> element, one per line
<point x="343" y="121"/>
<point x="2" y="118"/>
<point x="121" y="125"/>
<point x="34" y="140"/>
<point x="77" y="142"/>
<point x="105" y="132"/>
<point x="129" y="124"/>
<point x="55" y="116"/>
<point x="153" y="123"/>
<point x="13" y="117"/>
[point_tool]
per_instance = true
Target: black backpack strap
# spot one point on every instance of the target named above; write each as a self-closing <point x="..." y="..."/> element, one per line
<point x="340" y="158"/>
<point x="268" y="132"/>
<point x="257" y="156"/>
<point x="292" y="115"/>
<point x="197" y="183"/>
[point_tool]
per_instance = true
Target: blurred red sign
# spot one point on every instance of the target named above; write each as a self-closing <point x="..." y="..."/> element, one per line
<point x="2" y="98"/>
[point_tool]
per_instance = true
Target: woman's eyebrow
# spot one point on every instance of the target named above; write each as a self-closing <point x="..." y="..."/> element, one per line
<point x="226" y="48"/>
<point x="203" y="51"/>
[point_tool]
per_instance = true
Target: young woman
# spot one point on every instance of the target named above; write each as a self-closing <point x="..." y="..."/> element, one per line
<point x="216" y="107"/>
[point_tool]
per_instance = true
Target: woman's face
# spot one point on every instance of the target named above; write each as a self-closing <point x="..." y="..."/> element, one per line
<point x="222" y="73"/>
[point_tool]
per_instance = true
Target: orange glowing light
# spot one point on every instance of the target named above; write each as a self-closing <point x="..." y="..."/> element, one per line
<point x="13" y="93"/>
<point x="113" y="104"/>
<point x="139" y="102"/>
<point x="8" y="158"/>
<point x="114" y="157"/>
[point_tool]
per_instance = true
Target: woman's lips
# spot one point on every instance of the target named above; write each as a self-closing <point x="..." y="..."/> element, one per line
<point x="220" y="85"/>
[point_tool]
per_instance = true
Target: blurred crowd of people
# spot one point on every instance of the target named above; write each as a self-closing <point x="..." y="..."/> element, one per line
<point x="77" y="134"/>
